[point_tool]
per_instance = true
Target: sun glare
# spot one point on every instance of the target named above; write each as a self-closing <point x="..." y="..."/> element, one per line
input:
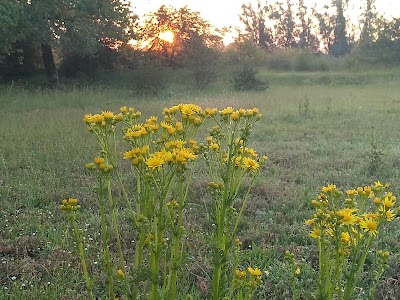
<point x="167" y="36"/>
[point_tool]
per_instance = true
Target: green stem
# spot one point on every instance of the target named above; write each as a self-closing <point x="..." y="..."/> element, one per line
<point x="82" y="256"/>
<point x="117" y="234"/>
<point x="105" y="241"/>
<point x="355" y="272"/>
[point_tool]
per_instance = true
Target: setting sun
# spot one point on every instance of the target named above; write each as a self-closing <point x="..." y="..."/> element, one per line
<point x="167" y="36"/>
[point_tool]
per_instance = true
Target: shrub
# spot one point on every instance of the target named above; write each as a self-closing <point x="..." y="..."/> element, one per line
<point x="245" y="80"/>
<point x="149" y="78"/>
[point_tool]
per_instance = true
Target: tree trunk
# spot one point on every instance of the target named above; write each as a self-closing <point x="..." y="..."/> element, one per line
<point x="49" y="64"/>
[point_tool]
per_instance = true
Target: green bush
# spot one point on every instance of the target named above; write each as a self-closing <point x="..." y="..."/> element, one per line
<point x="149" y="79"/>
<point x="245" y="80"/>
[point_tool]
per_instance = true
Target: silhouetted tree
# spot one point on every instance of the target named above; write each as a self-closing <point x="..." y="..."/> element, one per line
<point x="254" y="21"/>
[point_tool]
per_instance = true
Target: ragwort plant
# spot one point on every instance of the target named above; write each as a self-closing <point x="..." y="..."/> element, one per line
<point x="229" y="161"/>
<point x="163" y="154"/>
<point x="347" y="227"/>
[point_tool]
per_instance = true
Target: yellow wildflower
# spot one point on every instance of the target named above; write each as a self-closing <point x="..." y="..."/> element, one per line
<point x="329" y="188"/>
<point x="254" y="272"/>
<point x="214" y="146"/>
<point x="108" y="115"/>
<point x="389" y="201"/>
<point x="240" y="274"/>
<point x="190" y="109"/>
<point x="155" y="161"/>
<point x="131" y="153"/>
<point x="389" y="214"/>
<point x="310" y="222"/>
<point x="347" y="215"/>
<point x="210" y="111"/>
<point x="369" y="225"/>
<point x="250" y="164"/>
<point x="345" y="237"/>
<point x="98" y="160"/>
<point x="378" y="184"/>
<point x="87" y="118"/>
<point x="315" y="233"/>
<point x="226" y="111"/>
<point x="235" y="116"/>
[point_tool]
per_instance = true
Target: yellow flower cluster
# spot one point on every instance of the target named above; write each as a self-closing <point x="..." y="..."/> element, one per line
<point x="350" y="216"/>
<point x="69" y="205"/>
<point x="253" y="277"/>
<point x="102" y="120"/>
<point x="99" y="164"/>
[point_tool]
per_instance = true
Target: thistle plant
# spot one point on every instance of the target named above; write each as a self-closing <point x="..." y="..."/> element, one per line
<point x="230" y="162"/>
<point x="347" y="227"/>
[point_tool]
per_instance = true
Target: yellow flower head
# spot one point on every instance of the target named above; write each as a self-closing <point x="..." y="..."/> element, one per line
<point x="97" y="118"/>
<point x="235" y="116"/>
<point x="69" y="205"/>
<point x="351" y="193"/>
<point x="329" y="188"/>
<point x="315" y="233"/>
<point x="369" y="225"/>
<point x="389" y="200"/>
<point x="210" y="111"/>
<point x="108" y="115"/>
<point x="226" y="111"/>
<point x="250" y="164"/>
<point x="240" y="274"/>
<point x="389" y="214"/>
<point x="98" y="160"/>
<point x="120" y="273"/>
<point x="310" y="222"/>
<point x="254" y="272"/>
<point x="347" y="216"/>
<point x="87" y="118"/>
<point x="345" y="237"/>
<point x="190" y="109"/>
<point x="131" y="153"/>
<point x="378" y="184"/>
<point x="175" y="144"/>
<point x="155" y="161"/>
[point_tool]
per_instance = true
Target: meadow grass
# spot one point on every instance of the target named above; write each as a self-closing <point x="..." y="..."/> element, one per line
<point x="314" y="131"/>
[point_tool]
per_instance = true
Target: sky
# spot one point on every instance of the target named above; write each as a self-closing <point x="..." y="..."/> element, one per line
<point x="225" y="12"/>
<point x="222" y="13"/>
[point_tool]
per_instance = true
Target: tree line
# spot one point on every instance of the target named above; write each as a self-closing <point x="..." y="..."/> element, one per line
<point x="72" y="36"/>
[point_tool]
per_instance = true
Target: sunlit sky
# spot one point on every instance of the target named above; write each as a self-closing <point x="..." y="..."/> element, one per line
<point x="225" y="12"/>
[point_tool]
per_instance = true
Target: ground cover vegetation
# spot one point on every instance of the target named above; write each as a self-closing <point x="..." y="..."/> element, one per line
<point x="313" y="135"/>
<point x="151" y="203"/>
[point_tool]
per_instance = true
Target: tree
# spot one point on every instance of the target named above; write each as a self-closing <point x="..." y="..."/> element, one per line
<point x="254" y="25"/>
<point x="326" y="25"/>
<point x="168" y="30"/>
<point x="81" y="27"/>
<point x="201" y="60"/>
<point x="340" y="44"/>
<point x="9" y="26"/>
<point x="285" y="25"/>
<point x="369" y="19"/>
<point x="307" y="40"/>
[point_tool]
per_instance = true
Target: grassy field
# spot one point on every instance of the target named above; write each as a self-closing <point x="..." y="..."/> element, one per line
<point x="316" y="129"/>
